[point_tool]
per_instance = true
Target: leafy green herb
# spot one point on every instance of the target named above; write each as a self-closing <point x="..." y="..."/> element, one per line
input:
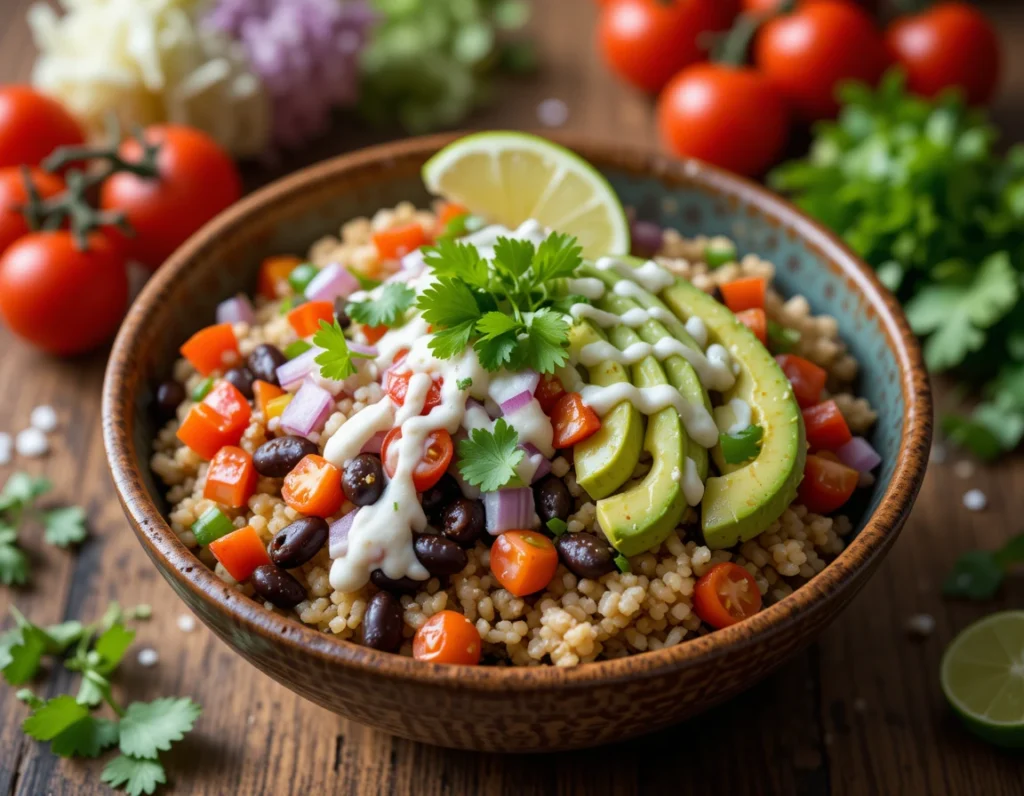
<point x="742" y="446"/>
<point x="64" y="526"/>
<point x="135" y="775"/>
<point x="622" y="563"/>
<point x="489" y="460"/>
<point x="385" y="310"/>
<point x="296" y="349"/>
<point x="978" y="574"/>
<point x="335" y="360"/>
<point x="464" y="384"/>
<point x="781" y="339"/>
<point x="557" y="526"/>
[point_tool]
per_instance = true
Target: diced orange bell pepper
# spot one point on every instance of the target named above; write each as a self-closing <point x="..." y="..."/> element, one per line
<point x="757" y="322"/>
<point x="305" y="319"/>
<point x="744" y="294"/>
<point x="273" y="278"/>
<point x="241" y="552"/>
<point x="573" y="420"/>
<point x="206" y="432"/>
<point x="264" y="392"/>
<point x="313" y="487"/>
<point x="212" y="348"/>
<point x="226" y="400"/>
<point x="395" y="243"/>
<point x="374" y="333"/>
<point x="231" y="479"/>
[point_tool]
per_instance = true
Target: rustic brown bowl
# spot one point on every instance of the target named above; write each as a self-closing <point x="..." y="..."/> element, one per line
<point x="516" y="709"/>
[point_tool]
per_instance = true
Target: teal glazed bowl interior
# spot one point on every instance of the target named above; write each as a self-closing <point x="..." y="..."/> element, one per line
<point x="505" y="708"/>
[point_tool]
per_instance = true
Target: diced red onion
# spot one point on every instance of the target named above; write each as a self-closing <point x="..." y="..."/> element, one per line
<point x="292" y="372"/>
<point x="374" y="443"/>
<point x="235" y="310"/>
<point x="492" y="409"/>
<point x="337" y="537"/>
<point x="516" y="402"/>
<point x="363" y="350"/>
<point x="543" y="466"/>
<point x="308" y="411"/>
<point x="506" y="386"/>
<point x="647" y="237"/>
<point x="858" y="454"/>
<point x="412" y="265"/>
<point x="332" y="281"/>
<point x="509" y="509"/>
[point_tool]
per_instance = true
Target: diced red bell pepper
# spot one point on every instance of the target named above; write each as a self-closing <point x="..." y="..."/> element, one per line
<point x="826" y="426"/>
<point x="808" y="379"/>
<point x="744" y="294"/>
<point x="206" y="432"/>
<point x="395" y="243"/>
<point x="305" y="319"/>
<point x="757" y="322"/>
<point x="241" y="552"/>
<point x="226" y="400"/>
<point x="827" y="484"/>
<point x="212" y="348"/>
<point x="231" y="479"/>
<point x="373" y="333"/>
<point x="573" y="421"/>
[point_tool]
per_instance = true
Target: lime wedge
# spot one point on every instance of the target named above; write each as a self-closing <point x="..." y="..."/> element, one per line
<point x="982" y="676"/>
<point x="510" y="177"/>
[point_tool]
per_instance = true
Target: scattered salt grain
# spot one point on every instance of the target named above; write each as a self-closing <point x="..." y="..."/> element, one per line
<point x="6" y="448"/>
<point x="31" y="442"/>
<point x="148" y="657"/>
<point x="186" y="623"/>
<point x="938" y="454"/>
<point x="975" y="500"/>
<point x="44" y="418"/>
<point x="552" y="113"/>
<point x="921" y="625"/>
<point x="964" y="468"/>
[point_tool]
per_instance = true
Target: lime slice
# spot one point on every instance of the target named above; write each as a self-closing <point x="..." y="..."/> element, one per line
<point x="510" y="177"/>
<point x="983" y="678"/>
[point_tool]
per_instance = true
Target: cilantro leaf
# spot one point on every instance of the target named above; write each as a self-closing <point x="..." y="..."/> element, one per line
<point x="464" y="384"/>
<point x="452" y="341"/>
<point x="148" y="728"/>
<point x="452" y="259"/>
<point x="978" y="574"/>
<point x="64" y="635"/>
<point x="22" y="490"/>
<point x="64" y="526"/>
<point x="513" y="256"/>
<point x="489" y="460"/>
<point x="988" y="431"/>
<point x="14" y="566"/>
<point x="85" y="738"/>
<point x="496" y="353"/>
<point x="547" y="341"/>
<point x="335" y="360"/>
<point x="395" y="298"/>
<point x="558" y="257"/>
<point x="137" y="776"/>
<point x="54" y="717"/>
<point x="111" y="646"/>
<point x="495" y="324"/>
<point x="21" y="653"/>
<point x="93" y="689"/>
<point x="448" y="302"/>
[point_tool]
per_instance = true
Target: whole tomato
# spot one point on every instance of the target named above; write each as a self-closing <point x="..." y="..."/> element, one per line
<point x="645" y="42"/>
<point x="949" y="45"/>
<point x="730" y="116"/>
<point x="197" y="181"/>
<point x="763" y="6"/>
<point x="809" y="52"/>
<point x="59" y="298"/>
<point x="32" y="125"/>
<point x="13" y="196"/>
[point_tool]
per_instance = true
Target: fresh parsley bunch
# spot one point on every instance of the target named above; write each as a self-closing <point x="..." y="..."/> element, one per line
<point x="917" y="188"/>
<point x="506" y="307"/>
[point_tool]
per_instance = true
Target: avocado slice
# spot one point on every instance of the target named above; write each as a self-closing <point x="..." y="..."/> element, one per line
<point x="606" y="460"/>
<point x="640" y="518"/>
<point x="747" y="498"/>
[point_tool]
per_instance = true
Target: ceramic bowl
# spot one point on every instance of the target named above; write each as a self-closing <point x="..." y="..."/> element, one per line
<point x="539" y="708"/>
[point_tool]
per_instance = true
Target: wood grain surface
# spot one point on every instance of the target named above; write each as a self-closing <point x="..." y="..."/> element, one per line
<point x="859" y="713"/>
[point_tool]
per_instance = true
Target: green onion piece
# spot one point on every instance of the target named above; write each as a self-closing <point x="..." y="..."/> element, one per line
<point x="212" y="525"/>
<point x="716" y="254"/>
<point x="301" y="276"/>
<point x="622" y="563"/>
<point x="365" y="282"/>
<point x="742" y="446"/>
<point x="557" y="526"/>
<point x="781" y="339"/>
<point x="297" y="348"/>
<point x="203" y="388"/>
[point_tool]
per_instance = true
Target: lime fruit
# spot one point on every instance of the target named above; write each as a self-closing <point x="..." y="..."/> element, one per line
<point x="509" y="177"/>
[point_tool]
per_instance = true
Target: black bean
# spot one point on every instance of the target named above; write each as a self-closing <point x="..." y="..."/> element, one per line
<point x="403" y="585"/>
<point x="241" y="379"/>
<point x="362" y="480"/>
<point x="438" y="496"/>
<point x="341" y="312"/>
<point x="264" y="361"/>
<point x="585" y="555"/>
<point x="276" y="586"/>
<point x="169" y="396"/>
<point x="293" y="546"/>
<point x="463" y="521"/>
<point x="440" y="556"/>
<point x="553" y="499"/>
<point x="382" y="623"/>
<point x="277" y="457"/>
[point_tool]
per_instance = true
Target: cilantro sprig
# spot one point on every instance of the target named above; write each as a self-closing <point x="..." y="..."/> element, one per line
<point x="385" y="310"/>
<point x="978" y="574"/>
<point x="505" y="307"/>
<point x="335" y="360"/>
<point x="489" y="459"/>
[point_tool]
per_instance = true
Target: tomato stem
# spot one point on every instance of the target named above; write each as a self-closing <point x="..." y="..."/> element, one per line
<point x="733" y="47"/>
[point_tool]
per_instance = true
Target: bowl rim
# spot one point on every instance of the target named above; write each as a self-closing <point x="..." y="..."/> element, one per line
<point x="179" y="564"/>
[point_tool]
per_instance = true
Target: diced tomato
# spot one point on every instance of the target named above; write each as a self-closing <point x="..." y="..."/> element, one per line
<point x="313" y="487"/>
<point x="273" y="277"/>
<point x="231" y="479"/>
<point x="548" y="392"/>
<point x="305" y="319"/>
<point x="808" y="379"/>
<point x="757" y="322"/>
<point x="397" y="385"/>
<point x="437" y="455"/>
<point x="826" y="426"/>
<point x="226" y="400"/>
<point x="373" y="333"/>
<point x="744" y="294"/>
<point x="827" y="484"/>
<point x="395" y="243"/>
<point x="726" y="594"/>
<point x="523" y="562"/>
<point x="212" y="348"/>
<point x="447" y="637"/>
<point x="206" y="432"/>
<point x="448" y="211"/>
<point x="573" y="420"/>
<point x="241" y="552"/>
<point x="264" y="392"/>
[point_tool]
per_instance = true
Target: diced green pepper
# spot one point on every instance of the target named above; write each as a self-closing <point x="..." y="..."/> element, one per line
<point x="781" y="339"/>
<point x="212" y="525"/>
<point x="742" y="446"/>
<point x="716" y="254"/>
<point x="202" y="389"/>
<point x="622" y="563"/>
<point x="301" y="276"/>
<point x="297" y="348"/>
<point x="557" y="526"/>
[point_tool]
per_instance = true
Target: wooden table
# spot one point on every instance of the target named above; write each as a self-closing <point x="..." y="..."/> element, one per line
<point x="859" y="713"/>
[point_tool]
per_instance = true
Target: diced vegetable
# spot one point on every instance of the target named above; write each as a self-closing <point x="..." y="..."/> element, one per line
<point x="229" y="403"/>
<point x="332" y="282"/>
<point x="264" y="392"/>
<point x="293" y="372"/>
<point x="742" y="446"/>
<point x="757" y="322"/>
<point x="396" y="385"/>
<point x="395" y="243"/>
<point x="827" y="484"/>
<point x="573" y="421"/>
<point x="212" y="348"/>
<point x="719" y="253"/>
<point x="237" y="309"/>
<point x="448" y="212"/>
<point x="507" y="509"/>
<point x="523" y="562"/>
<point x="273" y="276"/>
<point x="374" y="444"/>
<point x="276" y="406"/>
<point x="202" y="389"/>
<point x="313" y="487"/>
<point x="744" y="294"/>
<point x="781" y="339"/>
<point x="361" y="350"/>
<point x="549" y="390"/>
<point x="296" y="349"/>
<point x="373" y="333"/>
<point x="206" y="432"/>
<point x="726" y="594"/>
<point x="211" y="525"/>
<point x="305" y="319"/>
<point x="540" y="462"/>
<point x="308" y="411"/>
<point x="447" y="637"/>
<point x="301" y="276"/>
<point x="557" y="526"/>
<point x="826" y="426"/>
<point x="808" y="379"/>
<point x="509" y="386"/>
<point x="241" y="552"/>
<point x="858" y="454"/>
<point x="337" y="538"/>
<point x="437" y="455"/>
<point x="231" y="479"/>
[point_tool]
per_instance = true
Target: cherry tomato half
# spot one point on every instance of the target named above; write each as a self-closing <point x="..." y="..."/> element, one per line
<point x="434" y="460"/>
<point x="827" y="483"/>
<point x="13" y="196"/>
<point x="447" y="637"/>
<point x="726" y="594"/>
<point x="396" y="385"/>
<point x="549" y="390"/>
<point x="32" y="125"/>
<point x="572" y="421"/>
